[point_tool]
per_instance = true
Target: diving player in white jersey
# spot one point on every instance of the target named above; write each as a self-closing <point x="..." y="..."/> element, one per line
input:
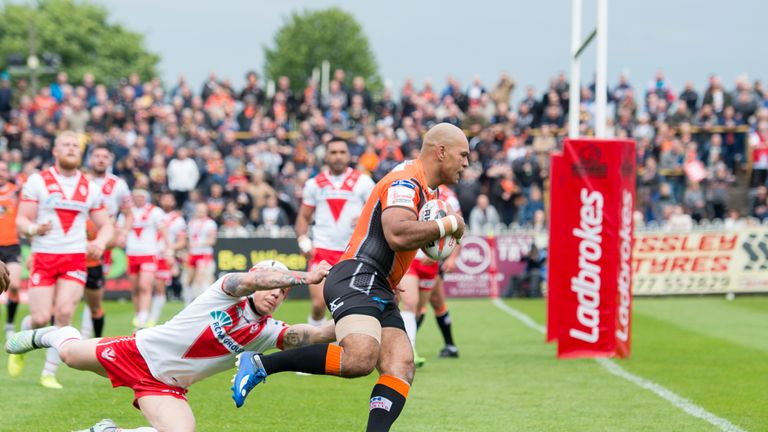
<point x="201" y="234"/>
<point x="176" y="233"/>
<point x="335" y="199"/>
<point x="117" y="200"/>
<point x="141" y="248"/>
<point x="55" y="205"/>
<point x="232" y="315"/>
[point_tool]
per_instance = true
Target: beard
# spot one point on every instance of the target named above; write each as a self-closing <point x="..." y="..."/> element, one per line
<point x="99" y="171"/>
<point x="68" y="163"/>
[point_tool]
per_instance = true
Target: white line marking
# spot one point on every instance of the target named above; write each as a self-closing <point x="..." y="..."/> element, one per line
<point x="611" y="366"/>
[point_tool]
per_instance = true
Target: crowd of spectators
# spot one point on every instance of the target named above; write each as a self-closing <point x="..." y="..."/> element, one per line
<point x="247" y="152"/>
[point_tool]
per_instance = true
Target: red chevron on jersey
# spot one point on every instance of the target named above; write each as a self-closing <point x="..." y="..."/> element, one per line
<point x="226" y="334"/>
<point x="66" y="215"/>
<point x="336" y="205"/>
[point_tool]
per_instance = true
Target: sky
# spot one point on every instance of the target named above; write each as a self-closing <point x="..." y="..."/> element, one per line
<point x="430" y="39"/>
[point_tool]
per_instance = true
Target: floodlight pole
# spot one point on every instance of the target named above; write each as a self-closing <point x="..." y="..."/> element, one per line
<point x="574" y="102"/>
<point x="601" y="88"/>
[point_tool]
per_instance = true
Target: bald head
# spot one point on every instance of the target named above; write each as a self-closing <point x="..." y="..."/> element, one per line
<point x="444" y="134"/>
<point x="445" y="154"/>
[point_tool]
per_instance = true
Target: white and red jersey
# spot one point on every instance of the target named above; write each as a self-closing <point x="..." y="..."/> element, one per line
<point x="200" y="231"/>
<point x="449" y="196"/>
<point x="66" y="202"/>
<point x="114" y="192"/>
<point x="175" y="225"/>
<point x="338" y="202"/>
<point x="203" y="339"/>
<point x="143" y="237"/>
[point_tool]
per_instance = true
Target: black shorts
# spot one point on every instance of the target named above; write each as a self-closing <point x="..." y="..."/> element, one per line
<point x="95" y="278"/>
<point x="353" y="287"/>
<point x="10" y="254"/>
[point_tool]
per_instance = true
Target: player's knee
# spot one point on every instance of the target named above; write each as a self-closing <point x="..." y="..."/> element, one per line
<point x="362" y="366"/>
<point x="40" y="318"/>
<point x="359" y="361"/>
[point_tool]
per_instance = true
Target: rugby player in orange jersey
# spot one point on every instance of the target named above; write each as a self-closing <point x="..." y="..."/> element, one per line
<point x="10" y="249"/>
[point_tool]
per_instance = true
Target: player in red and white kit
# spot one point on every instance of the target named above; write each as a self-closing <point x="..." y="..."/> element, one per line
<point x="335" y="198"/>
<point x="422" y="283"/>
<point x="176" y="233"/>
<point x="159" y="364"/>
<point x="201" y="235"/>
<point x="141" y="248"/>
<point x="55" y="205"/>
<point x="117" y="200"/>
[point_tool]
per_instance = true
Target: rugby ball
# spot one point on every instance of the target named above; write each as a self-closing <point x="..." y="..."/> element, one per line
<point x="270" y="263"/>
<point x="442" y="247"/>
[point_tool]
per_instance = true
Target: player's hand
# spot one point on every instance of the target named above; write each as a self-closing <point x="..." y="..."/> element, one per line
<point x="449" y="265"/>
<point x="44" y="229"/>
<point x="5" y="277"/>
<point x="317" y="274"/>
<point x="459" y="233"/>
<point x="427" y="261"/>
<point x="95" y="250"/>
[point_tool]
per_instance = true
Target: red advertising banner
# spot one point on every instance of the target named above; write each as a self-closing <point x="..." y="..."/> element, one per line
<point x="486" y="265"/>
<point x="554" y="255"/>
<point x="593" y="231"/>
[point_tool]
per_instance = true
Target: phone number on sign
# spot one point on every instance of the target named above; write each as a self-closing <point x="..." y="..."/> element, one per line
<point x="681" y="284"/>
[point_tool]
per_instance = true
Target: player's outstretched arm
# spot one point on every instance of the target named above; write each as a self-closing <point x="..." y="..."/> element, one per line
<point x="269" y="278"/>
<point x="299" y="335"/>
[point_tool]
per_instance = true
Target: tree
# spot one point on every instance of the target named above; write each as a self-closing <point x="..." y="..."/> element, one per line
<point x="81" y="34"/>
<point x="307" y="39"/>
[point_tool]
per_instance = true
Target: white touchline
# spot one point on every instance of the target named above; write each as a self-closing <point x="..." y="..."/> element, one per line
<point x="612" y="367"/>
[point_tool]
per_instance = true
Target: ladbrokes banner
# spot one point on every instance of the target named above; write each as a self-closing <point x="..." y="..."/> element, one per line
<point x="701" y="262"/>
<point x="593" y="229"/>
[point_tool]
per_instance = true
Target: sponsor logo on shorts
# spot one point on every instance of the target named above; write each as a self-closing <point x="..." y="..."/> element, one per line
<point x="335" y="305"/>
<point x="380" y="403"/>
<point x="108" y="354"/>
<point x="78" y="274"/>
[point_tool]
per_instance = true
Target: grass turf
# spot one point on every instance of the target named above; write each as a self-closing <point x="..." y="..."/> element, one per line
<point x="708" y="350"/>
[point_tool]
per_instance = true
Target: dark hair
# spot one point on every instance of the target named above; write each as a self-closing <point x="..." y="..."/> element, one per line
<point x="102" y="147"/>
<point x="337" y="138"/>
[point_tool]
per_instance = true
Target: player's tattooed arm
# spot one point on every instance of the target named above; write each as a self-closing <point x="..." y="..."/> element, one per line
<point x="299" y="335"/>
<point x="269" y="278"/>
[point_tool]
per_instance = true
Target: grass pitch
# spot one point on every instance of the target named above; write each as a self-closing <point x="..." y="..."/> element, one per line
<point x="710" y="351"/>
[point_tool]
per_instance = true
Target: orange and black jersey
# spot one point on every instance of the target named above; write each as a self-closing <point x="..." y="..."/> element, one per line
<point x="405" y="187"/>
<point x="9" y="201"/>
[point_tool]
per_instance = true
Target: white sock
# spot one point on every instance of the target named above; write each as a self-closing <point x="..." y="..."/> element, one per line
<point x="86" y="324"/>
<point x="141" y="318"/>
<point x="26" y="323"/>
<point x="52" y="360"/>
<point x="316" y="323"/>
<point x="56" y="337"/>
<point x="158" y="301"/>
<point x="409" y="318"/>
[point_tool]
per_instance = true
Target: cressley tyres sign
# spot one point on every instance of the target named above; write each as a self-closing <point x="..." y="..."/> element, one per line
<point x="701" y="262"/>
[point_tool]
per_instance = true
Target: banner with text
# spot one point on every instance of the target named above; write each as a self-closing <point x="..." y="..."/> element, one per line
<point x="480" y="257"/>
<point x="593" y="229"/>
<point x="701" y="262"/>
<point x="240" y="254"/>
